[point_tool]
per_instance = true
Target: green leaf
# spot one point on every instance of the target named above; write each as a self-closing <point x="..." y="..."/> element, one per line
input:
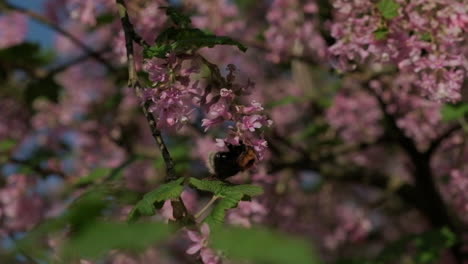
<point x="181" y="40"/>
<point x="87" y="207"/>
<point x="24" y="54"/>
<point x="208" y="186"/>
<point x="7" y="144"/>
<point x="46" y="88"/>
<point x="451" y="112"/>
<point x="245" y="189"/>
<point x="426" y="246"/>
<point x="155" y="199"/>
<point x="104" y="19"/>
<point x="178" y="17"/>
<point x="95" y="175"/>
<point x="427" y="36"/>
<point x="222" y="189"/>
<point x="219" y="211"/>
<point x="262" y="246"/>
<point x="159" y="51"/>
<point x="381" y="33"/>
<point x="230" y="195"/>
<point x="388" y="8"/>
<point x="290" y="99"/>
<point x="101" y="237"/>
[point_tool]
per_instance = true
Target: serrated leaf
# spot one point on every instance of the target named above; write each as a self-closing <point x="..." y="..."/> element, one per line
<point x="101" y="237"/>
<point x="181" y="40"/>
<point x="388" y="8"/>
<point x="158" y="51"/>
<point x="261" y="246"/>
<point x="219" y="211"/>
<point x="154" y="199"/>
<point x="208" y="186"/>
<point x="245" y="189"/>
<point x="453" y="112"/>
<point x="222" y="189"/>
<point x="381" y="33"/>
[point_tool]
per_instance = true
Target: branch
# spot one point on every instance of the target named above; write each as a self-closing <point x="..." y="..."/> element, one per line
<point x="44" y="20"/>
<point x="133" y="82"/>
<point x="436" y="142"/>
<point x="36" y="167"/>
<point x="433" y="207"/>
<point x="180" y="212"/>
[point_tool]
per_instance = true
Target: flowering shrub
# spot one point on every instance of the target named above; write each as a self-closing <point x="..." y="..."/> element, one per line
<point x="301" y="131"/>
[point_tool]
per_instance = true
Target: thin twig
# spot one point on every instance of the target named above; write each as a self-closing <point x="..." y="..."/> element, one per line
<point x="36" y="167"/>
<point x="206" y="207"/>
<point x="133" y="82"/>
<point x="44" y="20"/>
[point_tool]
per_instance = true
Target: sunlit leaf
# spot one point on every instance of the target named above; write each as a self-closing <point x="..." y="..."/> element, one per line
<point x="388" y="8"/>
<point x="228" y="196"/>
<point x="155" y="199"/>
<point x="381" y="33"/>
<point x="218" y="213"/>
<point x="451" y="112"/>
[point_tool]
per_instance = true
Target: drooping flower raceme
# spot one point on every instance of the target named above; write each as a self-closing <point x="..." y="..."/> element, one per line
<point x="293" y="30"/>
<point x="173" y="92"/>
<point x="176" y="95"/>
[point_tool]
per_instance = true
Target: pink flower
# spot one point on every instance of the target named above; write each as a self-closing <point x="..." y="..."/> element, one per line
<point x="220" y="109"/>
<point x="251" y="122"/>
<point x="254" y="107"/>
<point x="209" y="123"/>
<point x="200" y="240"/>
<point x="200" y="245"/>
<point x="157" y="70"/>
<point x="13" y="29"/>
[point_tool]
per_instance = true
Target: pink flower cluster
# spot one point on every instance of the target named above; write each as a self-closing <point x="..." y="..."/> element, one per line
<point x="356" y="117"/>
<point x="426" y="38"/>
<point x="293" y="30"/>
<point x="173" y="94"/>
<point x="418" y="117"/>
<point x="175" y="97"/>
<point x="13" y="29"/>
<point x="353" y="226"/>
<point x="200" y="245"/>
<point x="20" y="207"/>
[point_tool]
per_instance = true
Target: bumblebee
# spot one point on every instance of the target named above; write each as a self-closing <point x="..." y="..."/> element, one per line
<point x="225" y="164"/>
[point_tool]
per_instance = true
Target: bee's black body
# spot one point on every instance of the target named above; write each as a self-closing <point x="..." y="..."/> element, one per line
<point x="228" y="163"/>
